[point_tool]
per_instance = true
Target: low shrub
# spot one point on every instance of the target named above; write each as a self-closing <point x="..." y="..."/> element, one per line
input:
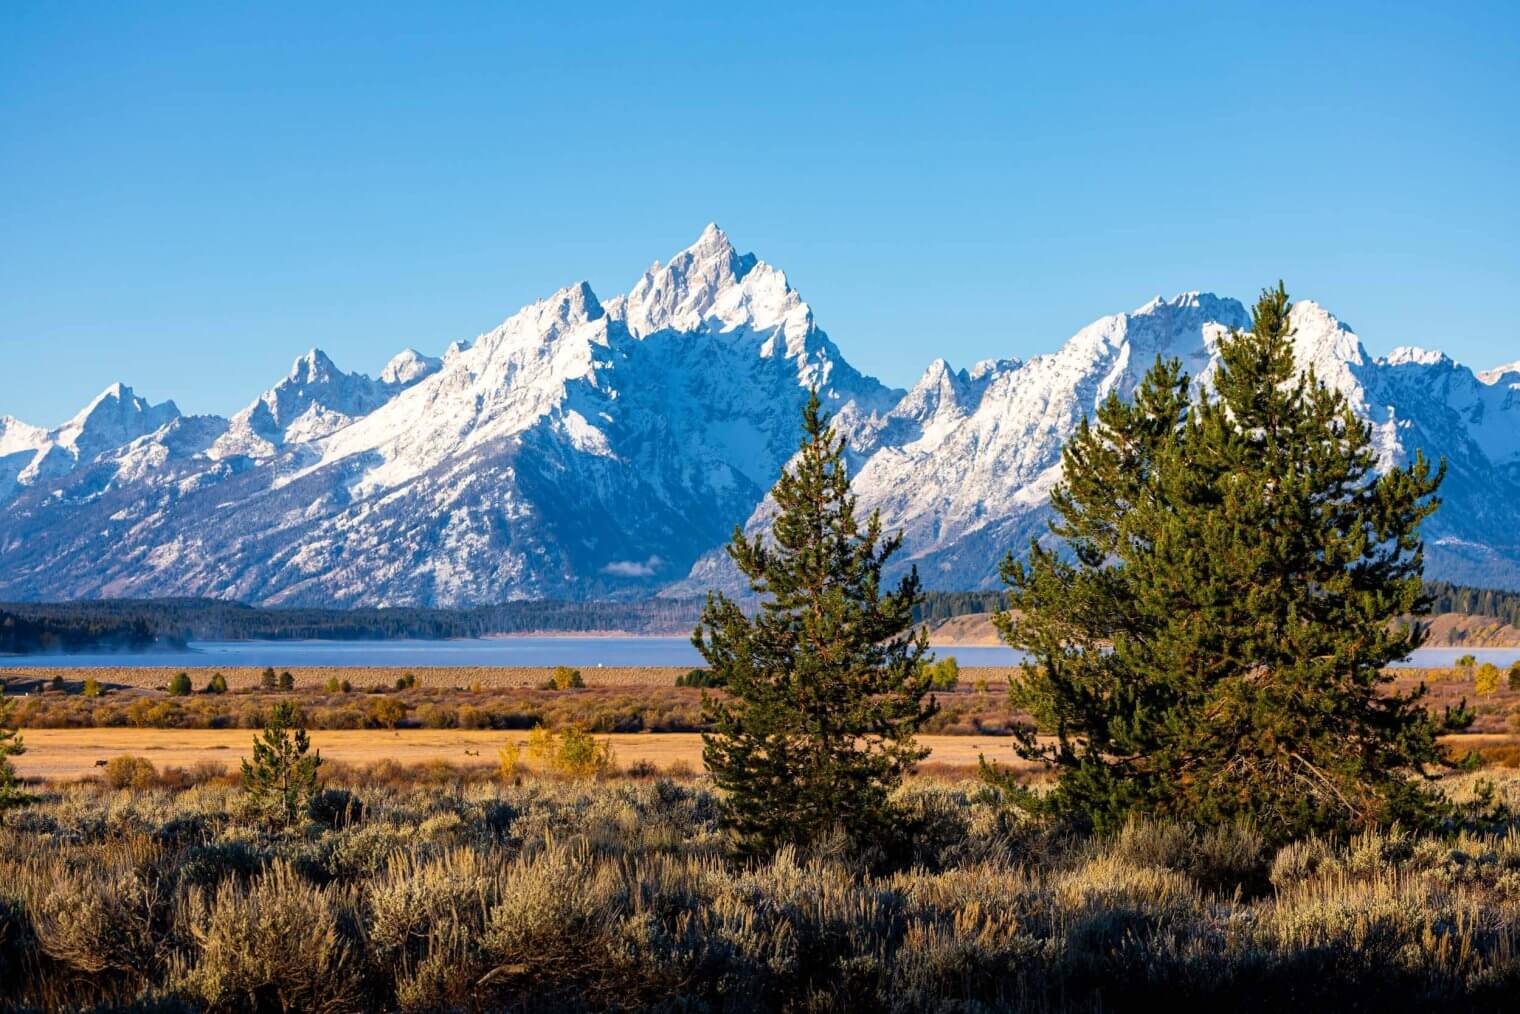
<point x="277" y="944"/>
<point x="944" y="674"/>
<point x="437" y="716"/>
<point x="509" y="761"/>
<point x="385" y="713"/>
<point x="564" y="678"/>
<point x="336" y="807"/>
<point x="125" y="771"/>
<point x="620" y="895"/>
<point x="573" y="753"/>
<point x="703" y="678"/>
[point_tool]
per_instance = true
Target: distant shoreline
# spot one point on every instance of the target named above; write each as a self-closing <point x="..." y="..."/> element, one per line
<point x="1446" y="630"/>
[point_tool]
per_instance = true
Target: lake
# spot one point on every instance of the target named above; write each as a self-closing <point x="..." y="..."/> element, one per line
<point x="581" y="652"/>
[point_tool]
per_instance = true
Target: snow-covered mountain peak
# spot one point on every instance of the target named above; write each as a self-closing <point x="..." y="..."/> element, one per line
<point x="314" y="399"/>
<point x="1194" y="301"/>
<point x="531" y="333"/>
<point x="312" y="368"/>
<point x="116" y="416"/>
<point x="710" y="284"/>
<point x="1414" y="355"/>
<point x="114" y="392"/>
<point x="1122" y="346"/>
<point x="409" y="366"/>
<point x="942" y="397"/>
<point x="116" y="397"/>
<point x="936" y="371"/>
<point x="571" y="306"/>
<point x="1322" y="341"/>
<point x="112" y="418"/>
<point x="17" y="436"/>
<point x="1508" y="374"/>
<point x="1159" y="318"/>
<point x="985" y="368"/>
<point x="538" y="323"/>
<point x="311" y="376"/>
<point x="484" y="391"/>
<point x="712" y="234"/>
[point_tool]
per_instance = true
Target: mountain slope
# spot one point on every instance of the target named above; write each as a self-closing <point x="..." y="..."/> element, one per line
<point x="980" y="489"/>
<point x="963" y="466"/>
<point x="30" y="455"/>
<point x="313" y="400"/>
<point x="574" y="450"/>
<point x="585" y="448"/>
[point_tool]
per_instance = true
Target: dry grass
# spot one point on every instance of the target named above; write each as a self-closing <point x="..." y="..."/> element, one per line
<point x="76" y="753"/>
<point x="570" y="896"/>
<point x="316" y="677"/>
<point x="435" y="677"/>
<point x="667" y="709"/>
<point x="963" y="711"/>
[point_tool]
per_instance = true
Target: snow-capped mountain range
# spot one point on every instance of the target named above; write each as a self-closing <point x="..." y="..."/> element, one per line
<point x="586" y="448"/>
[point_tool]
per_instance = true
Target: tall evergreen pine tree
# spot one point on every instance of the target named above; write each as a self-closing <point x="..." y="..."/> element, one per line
<point x="825" y="686"/>
<point x="1213" y="644"/>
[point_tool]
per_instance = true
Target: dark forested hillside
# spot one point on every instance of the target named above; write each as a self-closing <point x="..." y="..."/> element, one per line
<point x="131" y="624"/>
<point x="942" y="605"/>
<point x="210" y="619"/>
<point x="56" y="632"/>
<point x="1455" y="598"/>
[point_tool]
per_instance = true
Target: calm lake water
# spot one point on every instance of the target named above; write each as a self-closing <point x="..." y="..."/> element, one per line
<point x="582" y="652"/>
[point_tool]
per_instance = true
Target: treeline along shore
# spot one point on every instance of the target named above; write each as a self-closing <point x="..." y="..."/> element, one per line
<point x="141" y="624"/>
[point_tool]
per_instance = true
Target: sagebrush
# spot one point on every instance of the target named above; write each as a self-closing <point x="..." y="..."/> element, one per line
<point x="563" y="895"/>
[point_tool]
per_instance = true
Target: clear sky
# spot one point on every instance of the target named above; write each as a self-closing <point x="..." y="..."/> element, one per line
<point x="193" y="194"/>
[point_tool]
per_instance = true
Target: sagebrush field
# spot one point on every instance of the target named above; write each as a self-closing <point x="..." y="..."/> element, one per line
<point x="551" y="895"/>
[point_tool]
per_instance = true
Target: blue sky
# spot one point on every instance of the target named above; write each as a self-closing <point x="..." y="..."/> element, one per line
<point x="193" y="194"/>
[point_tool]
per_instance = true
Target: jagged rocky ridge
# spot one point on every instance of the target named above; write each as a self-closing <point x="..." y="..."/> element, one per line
<point x="587" y="448"/>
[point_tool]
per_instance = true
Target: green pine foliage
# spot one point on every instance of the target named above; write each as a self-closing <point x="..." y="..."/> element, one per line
<point x="179" y="685"/>
<point x="282" y="776"/>
<point x="825" y="686"/>
<point x="1211" y="645"/>
<point x="11" y="745"/>
<point x="217" y="684"/>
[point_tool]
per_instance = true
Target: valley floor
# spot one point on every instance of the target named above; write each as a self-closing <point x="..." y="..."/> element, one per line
<point x="74" y="754"/>
<point x="68" y="754"/>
